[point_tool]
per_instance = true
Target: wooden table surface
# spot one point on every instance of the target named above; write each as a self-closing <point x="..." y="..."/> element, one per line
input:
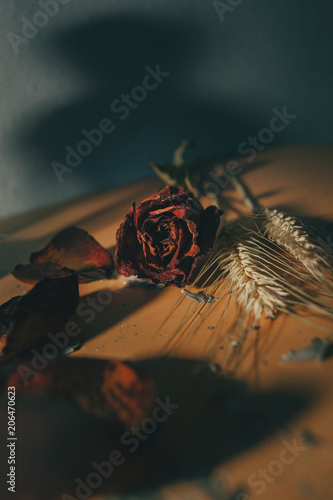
<point x="263" y="433"/>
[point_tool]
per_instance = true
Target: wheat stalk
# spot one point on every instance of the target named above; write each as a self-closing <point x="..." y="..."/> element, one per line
<point x="260" y="277"/>
<point x="290" y="233"/>
<point x="247" y="268"/>
<point x="253" y="288"/>
<point x="275" y="268"/>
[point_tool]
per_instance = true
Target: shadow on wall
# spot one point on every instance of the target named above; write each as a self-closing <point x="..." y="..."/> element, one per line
<point x="155" y="64"/>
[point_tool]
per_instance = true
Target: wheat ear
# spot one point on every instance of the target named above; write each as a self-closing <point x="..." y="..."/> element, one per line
<point x="261" y="278"/>
<point x="290" y="233"/>
<point x="254" y="289"/>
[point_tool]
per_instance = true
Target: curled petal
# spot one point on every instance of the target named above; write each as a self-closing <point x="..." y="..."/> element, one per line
<point x="163" y="239"/>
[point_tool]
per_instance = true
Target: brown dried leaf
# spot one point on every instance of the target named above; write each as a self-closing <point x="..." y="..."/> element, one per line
<point x="26" y="320"/>
<point x="32" y="273"/>
<point x="73" y="249"/>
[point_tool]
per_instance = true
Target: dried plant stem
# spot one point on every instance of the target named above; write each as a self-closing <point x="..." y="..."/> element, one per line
<point x="245" y="194"/>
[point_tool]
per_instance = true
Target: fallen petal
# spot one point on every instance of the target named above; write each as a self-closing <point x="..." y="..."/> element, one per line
<point x="26" y="320"/>
<point x="71" y="250"/>
<point x="111" y="390"/>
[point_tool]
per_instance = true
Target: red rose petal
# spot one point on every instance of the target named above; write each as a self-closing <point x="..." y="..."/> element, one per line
<point x="73" y="249"/>
<point x="111" y="390"/>
<point x="32" y="273"/>
<point x="26" y="320"/>
<point x="170" y="232"/>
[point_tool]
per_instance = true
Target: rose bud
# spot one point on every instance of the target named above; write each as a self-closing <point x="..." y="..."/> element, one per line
<point x="163" y="239"/>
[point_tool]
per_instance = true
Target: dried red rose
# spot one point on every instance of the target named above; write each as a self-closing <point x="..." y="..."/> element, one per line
<point x="163" y="239"/>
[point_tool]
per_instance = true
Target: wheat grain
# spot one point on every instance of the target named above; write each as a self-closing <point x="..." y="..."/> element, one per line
<point x="290" y="233"/>
<point x="262" y="279"/>
<point x="255" y="289"/>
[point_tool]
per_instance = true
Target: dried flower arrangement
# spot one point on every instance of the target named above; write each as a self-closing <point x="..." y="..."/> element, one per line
<point x="273" y="266"/>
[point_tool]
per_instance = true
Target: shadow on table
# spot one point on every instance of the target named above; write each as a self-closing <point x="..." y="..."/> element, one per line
<point x="125" y="301"/>
<point x="204" y="419"/>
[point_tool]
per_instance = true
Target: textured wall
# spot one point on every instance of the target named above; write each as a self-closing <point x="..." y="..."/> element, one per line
<point x="224" y="67"/>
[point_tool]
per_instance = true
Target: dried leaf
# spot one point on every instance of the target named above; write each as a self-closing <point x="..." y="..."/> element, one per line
<point x="111" y="390"/>
<point x="32" y="273"/>
<point x="73" y="249"/>
<point x="26" y="320"/>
